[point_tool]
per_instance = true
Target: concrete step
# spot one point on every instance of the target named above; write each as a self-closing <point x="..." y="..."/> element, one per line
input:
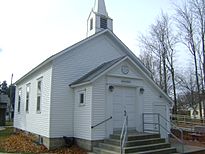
<point x="129" y="132"/>
<point x="109" y="147"/>
<point x="132" y="137"/>
<point x="98" y="150"/>
<point x="134" y="148"/>
<point x="142" y="143"/>
<point x="170" y="150"/>
<point x="146" y="147"/>
<point x="136" y="142"/>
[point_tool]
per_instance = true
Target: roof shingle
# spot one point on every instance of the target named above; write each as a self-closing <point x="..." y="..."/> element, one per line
<point x="97" y="71"/>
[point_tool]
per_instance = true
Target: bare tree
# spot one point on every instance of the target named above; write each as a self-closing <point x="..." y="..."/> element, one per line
<point x="153" y="46"/>
<point x="188" y="31"/>
<point x="160" y="45"/>
<point x="148" y="60"/>
<point x="159" y="32"/>
<point x="148" y="57"/>
<point x="171" y="41"/>
<point x="201" y="78"/>
<point x="199" y="12"/>
<point x="188" y="90"/>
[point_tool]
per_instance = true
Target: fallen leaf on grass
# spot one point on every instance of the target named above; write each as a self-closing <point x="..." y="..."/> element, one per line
<point x="21" y="142"/>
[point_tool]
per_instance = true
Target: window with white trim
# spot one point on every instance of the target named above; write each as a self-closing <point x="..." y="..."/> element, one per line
<point x="91" y="23"/>
<point x="27" y="96"/>
<point x="81" y="97"/>
<point x="39" y="94"/>
<point x="19" y="100"/>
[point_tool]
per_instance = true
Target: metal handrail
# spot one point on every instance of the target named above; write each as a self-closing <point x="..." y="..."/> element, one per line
<point x="171" y="123"/>
<point x="101" y="122"/>
<point x="187" y="121"/>
<point x="168" y="131"/>
<point x="123" y="136"/>
<point x="165" y="120"/>
<point x="181" y="131"/>
<point x="181" y="140"/>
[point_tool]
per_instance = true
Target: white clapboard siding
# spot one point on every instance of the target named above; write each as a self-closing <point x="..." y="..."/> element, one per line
<point x="32" y="121"/>
<point x="98" y="109"/>
<point x="151" y="95"/>
<point x="149" y="98"/>
<point x="70" y="67"/>
<point x="82" y="114"/>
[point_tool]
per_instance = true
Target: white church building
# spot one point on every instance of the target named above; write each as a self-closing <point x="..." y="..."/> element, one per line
<point x="94" y="81"/>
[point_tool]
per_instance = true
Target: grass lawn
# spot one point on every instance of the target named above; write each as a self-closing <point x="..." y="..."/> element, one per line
<point x="9" y="123"/>
<point x="5" y="133"/>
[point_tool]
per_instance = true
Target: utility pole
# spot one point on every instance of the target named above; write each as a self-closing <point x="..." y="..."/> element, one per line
<point x="10" y="105"/>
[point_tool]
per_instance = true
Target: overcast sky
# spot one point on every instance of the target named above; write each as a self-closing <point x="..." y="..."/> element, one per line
<point x="33" y="30"/>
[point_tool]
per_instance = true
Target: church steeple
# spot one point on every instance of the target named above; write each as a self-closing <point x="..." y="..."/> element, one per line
<point x="98" y="19"/>
<point x="100" y="7"/>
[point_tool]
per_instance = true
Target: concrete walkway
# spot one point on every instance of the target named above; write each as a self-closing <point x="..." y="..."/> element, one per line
<point x="188" y="149"/>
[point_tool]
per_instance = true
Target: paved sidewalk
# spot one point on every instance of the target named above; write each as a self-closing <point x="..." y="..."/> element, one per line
<point x="188" y="149"/>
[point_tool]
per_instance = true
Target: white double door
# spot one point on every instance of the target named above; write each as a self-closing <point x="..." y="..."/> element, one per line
<point x="124" y="100"/>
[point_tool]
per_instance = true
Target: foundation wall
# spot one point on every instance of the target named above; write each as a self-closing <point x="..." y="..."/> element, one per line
<point x="86" y="144"/>
<point x="53" y="143"/>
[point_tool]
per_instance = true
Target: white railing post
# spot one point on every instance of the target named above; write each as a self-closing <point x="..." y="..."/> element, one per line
<point x="159" y="123"/>
<point x="143" y="122"/>
<point x="123" y="136"/>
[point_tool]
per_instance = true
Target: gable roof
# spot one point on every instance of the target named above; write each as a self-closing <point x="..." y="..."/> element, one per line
<point x="51" y="58"/>
<point x="107" y="66"/>
<point x="96" y="72"/>
<point x="67" y="50"/>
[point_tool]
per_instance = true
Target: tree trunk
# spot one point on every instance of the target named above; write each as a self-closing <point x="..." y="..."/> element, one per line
<point x="164" y="72"/>
<point x="160" y="73"/>
<point x="174" y="90"/>
<point x="197" y="82"/>
<point x="203" y="54"/>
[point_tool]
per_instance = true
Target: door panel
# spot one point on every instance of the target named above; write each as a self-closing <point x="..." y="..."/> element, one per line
<point x="124" y="99"/>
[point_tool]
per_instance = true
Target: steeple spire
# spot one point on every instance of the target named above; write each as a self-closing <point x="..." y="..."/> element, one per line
<point x="100" y="7"/>
<point x="98" y="19"/>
